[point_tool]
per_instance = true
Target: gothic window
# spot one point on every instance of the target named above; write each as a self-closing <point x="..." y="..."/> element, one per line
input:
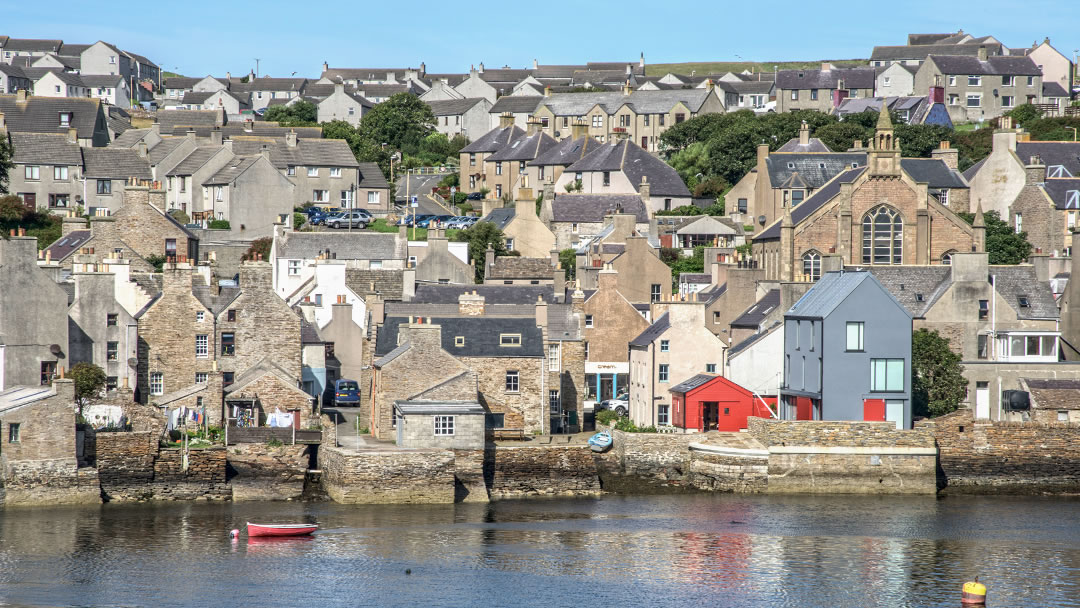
<point x="811" y="265"/>
<point x="883" y="236"/>
<point x="946" y="258"/>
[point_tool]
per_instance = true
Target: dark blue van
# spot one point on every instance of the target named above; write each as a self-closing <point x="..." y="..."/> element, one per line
<point x="346" y="392"/>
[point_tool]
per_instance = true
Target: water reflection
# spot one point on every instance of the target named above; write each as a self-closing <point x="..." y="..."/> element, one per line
<point x="659" y="551"/>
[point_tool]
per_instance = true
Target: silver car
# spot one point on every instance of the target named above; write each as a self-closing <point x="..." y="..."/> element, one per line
<point x="358" y="220"/>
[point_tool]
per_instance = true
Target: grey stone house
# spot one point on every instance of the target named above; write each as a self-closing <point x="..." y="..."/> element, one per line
<point x="23" y="113"/>
<point x="823" y="89"/>
<point x="981" y="87"/>
<point x="250" y="194"/>
<point x="46" y="171"/>
<point x="101" y="331"/>
<point x="847" y="353"/>
<point x="344" y="105"/>
<point x="104" y="172"/>
<point x="468" y="117"/>
<point x="324" y="170"/>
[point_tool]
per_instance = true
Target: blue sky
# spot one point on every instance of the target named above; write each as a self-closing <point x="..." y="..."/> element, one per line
<point x="198" y="37"/>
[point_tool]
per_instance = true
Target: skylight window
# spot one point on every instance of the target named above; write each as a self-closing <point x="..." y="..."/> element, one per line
<point x="1024" y="302"/>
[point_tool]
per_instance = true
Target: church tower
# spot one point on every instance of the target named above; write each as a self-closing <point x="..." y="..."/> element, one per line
<point x="883" y="158"/>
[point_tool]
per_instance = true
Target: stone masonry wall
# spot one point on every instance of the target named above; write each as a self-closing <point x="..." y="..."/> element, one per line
<point x="544" y="471"/>
<point x="167" y="333"/>
<point x="1006" y="457"/>
<point x="132" y="468"/>
<point x="261" y="472"/>
<point x="836" y="434"/>
<point x="265" y="326"/>
<point x="725" y="473"/>
<point x="390" y="476"/>
<point x="647" y="462"/>
<point x="524" y="409"/>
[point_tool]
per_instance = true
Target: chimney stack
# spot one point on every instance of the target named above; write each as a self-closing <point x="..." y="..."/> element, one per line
<point x="506" y="119"/>
<point x="982" y="53"/>
<point x="804" y="134"/>
<point x="290" y="139"/>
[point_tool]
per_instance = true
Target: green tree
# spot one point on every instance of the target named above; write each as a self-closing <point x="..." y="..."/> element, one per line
<point x="918" y="141"/>
<point x="568" y="259"/>
<point x="12" y="208"/>
<point x="690" y="162"/>
<point x="6" y="154"/>
<point x="259" y="248"/>
<point x="937" y="378"/>
<point x="401" y="122"/>
<point x="89" y="380"/>
<point x="680" y="263"/>
<point x="363" y="146"/>
<point x="299" y="114"/>
<point x="972" y="146"/>
<point x="841" y="136"/>
<point x="479" y="236"/>
<point x="1024" y="114"/>
<point x="1003" y="244"/>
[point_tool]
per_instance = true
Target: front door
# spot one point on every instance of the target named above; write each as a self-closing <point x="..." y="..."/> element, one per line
<point x="873" y="410"/>
<point x="894" y="412"/>
<point x="30" y="201"/>
<point x="644" y="142"/>
<point x="982" y="400"/>
<point x="710" y="415"/>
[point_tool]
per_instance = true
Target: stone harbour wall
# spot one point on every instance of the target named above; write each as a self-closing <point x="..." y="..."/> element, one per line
<point x="519" y="472"/>
<point x="825" y="433"/>
<point x="261" y="472"/>
<point x="647" y="462"/>
<point x="864" y="471"/>
<point x="49" y="482"/>
<point x="131" y="467"/>
<point x="717" y="472"/>
<point x="387" y="476"/>
<point x="1006" y="457"/>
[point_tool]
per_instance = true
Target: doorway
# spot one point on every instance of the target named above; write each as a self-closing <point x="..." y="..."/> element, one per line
<point x="710" y="415"/>
<point x="894" y="412"/>
<point x="982" y="400"/>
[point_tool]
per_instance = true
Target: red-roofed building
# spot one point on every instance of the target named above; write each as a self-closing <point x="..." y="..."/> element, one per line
<point x="707" y="402"/>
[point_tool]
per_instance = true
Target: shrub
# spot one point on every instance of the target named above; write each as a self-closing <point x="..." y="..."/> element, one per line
<point x="180" y="216"/>
<point x="606" y="416"/>
<point x="274" y="443"/>
<point x="219" y="225"/>
<point x="298" y="220"/>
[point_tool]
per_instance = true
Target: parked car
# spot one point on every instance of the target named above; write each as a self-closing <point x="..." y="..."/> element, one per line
<point x="620" y="404"/>
<point x="355" y="218"/>
<point x="346" y="392"/>
<point x="474" y="196"/>
<point x="433" y="221"/>
<point x="462" y="222"/>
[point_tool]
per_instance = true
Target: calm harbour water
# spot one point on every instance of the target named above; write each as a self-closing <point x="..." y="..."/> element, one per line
<point x="719" y="550"/>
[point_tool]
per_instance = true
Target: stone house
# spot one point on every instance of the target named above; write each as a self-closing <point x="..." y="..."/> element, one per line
<point x="38" y="463"/>
<point x="266" y="387"/>
<point x="436" y="263"/>
<point x="610" y="323"/>
<point x="514" y="270"/>
<point x="548" y="166"/>
<point x="250" y="194"/>
<point x="344" y="105"/>
<point x="372" y="190"/>
<point x="506" y="171"/>
<point x="676" y="345"/>
<point x="455" y="425"/>
<point x="643" y="276"/>
<point x="47" y="170"/>
<point x="100" y="330"/>
<point x="61" y="84"/>
<point x="324" y="170"/>
<point x="473" y="157"/>
<point x="971" y="82"/>
<point x="623" y="167"/>
<point x="294" y="254"/>
<point x="896" y="80"/>
<point x="1053" y="401"/>
<point x="823" y="89"/>
<point x="847" y="353"/>
<point x="878" y="214"/>
<point x="467" y="117"/>
<point x="23" y="113"/>
<point x="105" y="171"/>
<point x="519" y="106"/>
<point x="524" y="231"/>
<point x="1035" y="212"/>
<point x="33" y="337"/>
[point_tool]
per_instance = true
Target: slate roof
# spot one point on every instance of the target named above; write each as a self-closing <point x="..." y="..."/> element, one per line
<point x="917" y="288"/>
<point x="33" y="45"/>
<point x="1054" y="394"/>
<point x="750" y="87"/>
<point x="1053" y="153"/>
<point x="635" y="163"/>
<point x="642" y="102"/>
<point x="793" y="145"/>
<point x="216" y="303"/>
<point x="196" y="97"/>
<point x="509" y="75"/>
<point x="750" y="341"/>
<point x="129" y="138"/>
<point x="1012" y="282"/>
<point x="563" y="322"/>
<point x="481" y="336"/>
<point x="592" y="208"/>
<point x="494" y="140"/>
<point x="163" y="149"/>
<point x="691" y="383"/>
<point x="232" y="170"/>
<point x="811" y="170"/>
<point x="194" y="161"/>
<point x="179" y="82"/>
<point x="753" y="317"/>
<point x="68" y="244"/>
<point x="45" y="149"/>
<point x="653" y="331"/>
<point x="828" y="293"/>
<point x="565" y="152"/>
<point x="101" y="80"/>
<point x="383" y="90"/>
<point x="371" y="176"/>
<point x="1065" y="192"/>
<point x="922" y="51"/>
<point x="524" y="148"/>
<point x="115" y="163"/>
<point x="816" y="200"/>
<point x="171" y="119"/>
<point x="932" y="171"/>
<point x="501" y="216"/>
<point x="706" y="224"/>
<point x="266" y="83"/>
<point x="308" y="152"/>
<point x="928" y="38"/>
<point x="854" y="78"/>
<point x="994" y="65"/>
<point x="516" y="104"/>
<point x="973" y="170"/>
<point x="347" y="246"/>
<point x="308" y="333"/>
<point x="695" y="278"/>
<point x="41" y="114"/>
<point x="514" y="267"/>
<point x="394" y="354"/>
<point x="493" y="294"/>
<point x="1053" y="89"/>
<point x="453" y="107"/>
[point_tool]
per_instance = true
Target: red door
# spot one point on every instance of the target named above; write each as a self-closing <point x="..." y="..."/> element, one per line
<point x="645" y="142"/>
<point x="873" y="410"/>
<point x="803" y="409"/>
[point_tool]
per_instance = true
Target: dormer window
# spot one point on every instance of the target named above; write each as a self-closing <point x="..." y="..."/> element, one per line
<point x="1024" y="302"/>
<point x="509" y="339"/>
<point x="791" y="165"/>
<point x="65" y="119"/>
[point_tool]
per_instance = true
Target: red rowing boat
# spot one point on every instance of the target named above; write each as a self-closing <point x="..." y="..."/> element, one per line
<point x="280" y="529"/>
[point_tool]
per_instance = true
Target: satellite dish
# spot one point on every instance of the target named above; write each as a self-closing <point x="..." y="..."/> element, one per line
<point x="761" y="220"/>
<point x="55" y="349"/>
<point x="133" y="362"/>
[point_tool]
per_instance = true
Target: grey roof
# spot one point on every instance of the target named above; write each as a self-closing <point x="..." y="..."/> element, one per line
<point x="917" y="288"/>
<point x="45" y="149"/>
<point x="194" y="161"/>
<point x="928" y="38"/>
<point x="793" y="145"/>
<point x="453" y="107"/>
<point x="811" y="170"/>
<point x="994" y="65"/>
<point x="691" y="383"/>
<point x="171" y="119"/>
<point x="922" y="51"/>
<point x="593" y="208"/>
<point x="180" y="82"/>
<point x="457" y="408"/>
<point x="308" y="333"/>
<point x="751" y="87"/>
<point x="266" y="83"/>
<point x="67" y="244"/>
<point x="828" y="293"/>
<point x="566" y="152"/>
<point x="41" y="114"/>
<point x="508" y="75"/>
<point x="501" y="216"/>
<point x="101" y="80"/>
<point x="1053" y="89"/>
<point x="642" y="102"/>
<point x="748" y="342"/>
<point x="129" y="138"/>
<point x="932" y="171"/>
<point x="635" y="163"/>
<point x="756" y="314"/>
<point x="516" y="104"/>
<point x="345" y="245"/>
<point x="481" y="336"/>
<point x="1065" y="154"/>
<point x="165" y="147"/>
<point x="33" y="45"/>
<point x="696" y="278"/>
<point x="1012" y="282"/>
<point x="494" y="140"/>
<point x="819" y="198"/>
<point x="19" y="396"/>
<point x="854" y="78"/>
<point x="524" y="148"/>
<point x="493" y="294"/>
<point x="394" y="354"/>
<point x="563" y="322"/>
<point x="514" y="267"/>
<point x="216" y="303"/>
<point x="973" y="170"/>
<point x="1065" y="192"/>
<point x="308" y="152"/>
<point x="196" y="97"/>
<point x="232" y="170"/>
<point x="653" y="331"/>
<point x="115" y="163"/>
<point x="371" y="176"/>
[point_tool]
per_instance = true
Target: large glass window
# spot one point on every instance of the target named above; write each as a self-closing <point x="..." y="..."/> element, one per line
<point x="887" y="375"/>
<point x="883" y="236"/>
<point x="855" y="335"/>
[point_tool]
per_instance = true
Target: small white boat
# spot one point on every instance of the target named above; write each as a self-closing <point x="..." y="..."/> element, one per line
<point x="600" y="442"/>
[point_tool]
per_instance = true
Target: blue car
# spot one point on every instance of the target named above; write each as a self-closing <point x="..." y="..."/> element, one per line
<point x="346" y="393"/>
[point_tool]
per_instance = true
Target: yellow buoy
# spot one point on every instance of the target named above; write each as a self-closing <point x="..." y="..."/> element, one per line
<point x="974" y="593"/>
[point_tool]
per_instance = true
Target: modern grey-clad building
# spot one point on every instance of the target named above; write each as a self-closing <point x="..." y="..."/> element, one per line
<point x="847" y="353"/>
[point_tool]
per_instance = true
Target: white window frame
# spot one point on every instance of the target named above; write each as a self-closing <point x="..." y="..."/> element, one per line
<point x="313" y="172"/>
<point x="973" y="96"/>
<point x="202" y="346"/>
<point x="1008" y="81"/>
<point x="443" y="426"/>
<point x="335" y="171"/>
<point x="952" y="81"/>
<point x="1008" y="101"/>
<point x="554" y="357"/>
<point x="294" y="268"/>
<point x="32" y="173"/>
<point x="60" y="172"/>
<point x="157" y="383"/>
<point x="374" y="197"/>
<point x="588" y="321"/>
<point x="1018" y="223"/>
<point x="974" y="81"/>
<point x="320" y="196"/>
<point x="513" y="381"/>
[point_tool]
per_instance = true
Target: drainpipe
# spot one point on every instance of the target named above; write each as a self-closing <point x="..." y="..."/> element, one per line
<point x="993" y="313"/>
<point x="543" y="384"/>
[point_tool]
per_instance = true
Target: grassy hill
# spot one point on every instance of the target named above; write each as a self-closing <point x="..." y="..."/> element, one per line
<point x="719" y="67"/>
